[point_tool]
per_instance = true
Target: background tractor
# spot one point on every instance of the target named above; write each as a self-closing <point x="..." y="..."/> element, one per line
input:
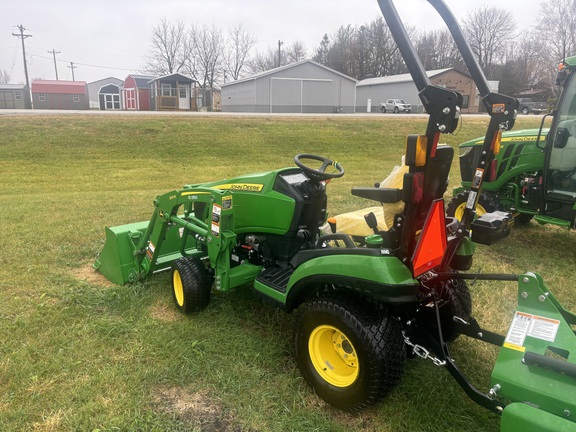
<point x="361" y="309"/>
<point x="534" y="175"/>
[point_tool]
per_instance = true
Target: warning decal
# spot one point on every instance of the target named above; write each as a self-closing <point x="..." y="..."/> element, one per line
<point x="471" y="199"/>
<point x="518" y="329"/>
<point x="498" y="108"/>
<point x="535" y="326"/>
<point x="150" y="250"/>
<point x="477" y="178"/>
<point x="543" y="328"/>
<point x="216" y="212"/>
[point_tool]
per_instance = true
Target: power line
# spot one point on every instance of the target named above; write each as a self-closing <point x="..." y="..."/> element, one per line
<point x="54" y="52"/>
<point x="84" y="64"/>
<point x="280" y="43"/>
<point x="91" y="33"/>
<point x="22" y="36"/>
<point x="72" y="67"/>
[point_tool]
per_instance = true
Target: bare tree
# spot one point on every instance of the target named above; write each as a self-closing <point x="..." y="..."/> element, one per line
<point x="263" y="62"/>
<point x="363" y="52"/>
<point x="341" y="54"/>
<point x="4" y="77"/>
<point x="170" y="48"/>
<point x="208" y="52"/>
<point x="239" y="44"/>
<point x="437" y="50"/>
<point x="385" y="58"/>
<point x="534" y="68"/>
<point x="295" y="52"/>
<point x="557" y="26"/>
<point x="489" y="31"/>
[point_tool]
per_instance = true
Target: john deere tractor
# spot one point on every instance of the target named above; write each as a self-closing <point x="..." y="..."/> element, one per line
<point x="534" y="175"/>
<point x="363" y="307"/>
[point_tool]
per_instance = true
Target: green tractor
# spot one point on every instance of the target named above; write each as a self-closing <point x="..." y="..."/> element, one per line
<point x="534" y="175"/>
<point x="363" y="307"/>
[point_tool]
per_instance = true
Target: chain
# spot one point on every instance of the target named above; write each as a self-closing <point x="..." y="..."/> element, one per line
<point x="422" y="352"/>
<point x="427" y="276"/>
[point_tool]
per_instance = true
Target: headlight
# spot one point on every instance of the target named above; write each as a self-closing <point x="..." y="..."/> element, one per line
<point x="465" y="150"/>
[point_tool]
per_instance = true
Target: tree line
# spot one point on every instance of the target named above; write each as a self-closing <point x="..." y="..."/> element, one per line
<point x="519" y="58"/>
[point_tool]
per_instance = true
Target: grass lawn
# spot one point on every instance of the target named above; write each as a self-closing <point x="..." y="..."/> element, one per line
<point x="78" y="353"/>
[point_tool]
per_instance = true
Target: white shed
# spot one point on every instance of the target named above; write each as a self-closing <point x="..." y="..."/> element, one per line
<point x="106" y="90"/>
<point x="303" y="87"/>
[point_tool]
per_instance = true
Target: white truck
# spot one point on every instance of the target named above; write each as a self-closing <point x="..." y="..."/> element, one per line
<point x="396" y="106"/>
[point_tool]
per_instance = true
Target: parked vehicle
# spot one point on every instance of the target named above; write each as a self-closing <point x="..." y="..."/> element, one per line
<point x="528" y="106"/>
<point x="534" y="175"/>
<point x="395" y="106"/>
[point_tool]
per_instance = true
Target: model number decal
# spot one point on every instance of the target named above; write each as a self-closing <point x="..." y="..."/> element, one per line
<point x="227" y="202"/>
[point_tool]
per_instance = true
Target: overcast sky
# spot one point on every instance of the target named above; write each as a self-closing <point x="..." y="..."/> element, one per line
<point x="110" y="38"/>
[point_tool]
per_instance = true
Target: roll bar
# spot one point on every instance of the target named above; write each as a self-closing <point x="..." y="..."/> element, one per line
<point x="444" y="105"/>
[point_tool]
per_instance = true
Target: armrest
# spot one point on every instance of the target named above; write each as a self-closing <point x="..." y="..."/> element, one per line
<point x="383" y="195"/>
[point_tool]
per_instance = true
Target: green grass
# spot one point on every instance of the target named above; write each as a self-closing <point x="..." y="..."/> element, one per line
<point x="79" y="354"/>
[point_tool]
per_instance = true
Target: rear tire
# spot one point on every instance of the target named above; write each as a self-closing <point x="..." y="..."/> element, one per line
<point x="191" y="284"/>
<point x="458" y="303"/>
<point x="455" y="300"/>
<point x="522" y="219"/>
<point x="351" y="353"/>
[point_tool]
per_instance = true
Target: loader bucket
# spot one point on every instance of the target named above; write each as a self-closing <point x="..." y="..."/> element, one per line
<point x="117" y="260"/>
<point x="121" y="262"/>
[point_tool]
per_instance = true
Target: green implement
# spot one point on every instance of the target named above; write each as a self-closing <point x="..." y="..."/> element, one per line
<point x="364" y="304"/>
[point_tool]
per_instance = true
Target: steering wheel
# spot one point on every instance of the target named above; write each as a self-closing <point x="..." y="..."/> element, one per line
<point x="319" y="174"/>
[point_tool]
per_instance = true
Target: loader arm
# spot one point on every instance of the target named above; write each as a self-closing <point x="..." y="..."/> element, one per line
<point x="133" y="252"/>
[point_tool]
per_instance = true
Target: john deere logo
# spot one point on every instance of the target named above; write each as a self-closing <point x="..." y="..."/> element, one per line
<point x="245" y="187"/>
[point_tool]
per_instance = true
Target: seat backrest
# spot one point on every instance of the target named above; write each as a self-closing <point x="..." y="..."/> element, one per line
<point x="435" y="173"/>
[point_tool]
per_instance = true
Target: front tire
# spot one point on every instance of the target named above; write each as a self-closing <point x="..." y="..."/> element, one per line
<point x="487" y="203"/>
<point x="396" y="110"/>
<point x="351" y="353"/>
<point x="191" y="284"/>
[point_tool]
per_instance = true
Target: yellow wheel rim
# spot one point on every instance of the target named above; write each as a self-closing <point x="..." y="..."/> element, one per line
<point x="459" y="212"/>
<point x="178" y="288"/>
<point x="333" y="356"/>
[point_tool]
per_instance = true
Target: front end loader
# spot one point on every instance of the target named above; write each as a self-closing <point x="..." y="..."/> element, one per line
<point x="363" y="307"/>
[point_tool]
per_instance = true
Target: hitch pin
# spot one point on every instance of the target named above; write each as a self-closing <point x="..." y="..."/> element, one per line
<point x="493" y="392"/>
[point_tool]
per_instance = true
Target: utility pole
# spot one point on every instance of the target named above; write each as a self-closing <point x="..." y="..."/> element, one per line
<point x="280" y="43"/>
<point x="23" y="36"/>
<point x="72" y="67"/>
<point x="54" y="52"/>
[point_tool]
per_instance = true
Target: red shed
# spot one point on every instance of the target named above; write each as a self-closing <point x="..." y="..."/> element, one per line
<point x="136" y="92"/>
<point x="48" y="94"/>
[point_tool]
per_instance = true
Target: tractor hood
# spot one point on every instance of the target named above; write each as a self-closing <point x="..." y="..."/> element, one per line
<point x="526" y="135"/>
